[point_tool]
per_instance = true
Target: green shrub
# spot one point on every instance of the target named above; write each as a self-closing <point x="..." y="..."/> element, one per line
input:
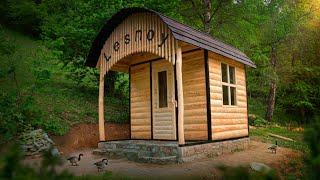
<point x="255" y="120"/>
<point x="13" y="168"/>
<point x="117" y="109"/>
<point x="312" y="137"/>
<point x="17" y="111"/>
<point x="52" y="125"/>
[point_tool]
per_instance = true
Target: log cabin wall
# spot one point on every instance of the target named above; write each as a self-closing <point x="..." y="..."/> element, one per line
<point x="140" y="102"/>
<point x="194" y="94"/>
<point x="227" y="121"/>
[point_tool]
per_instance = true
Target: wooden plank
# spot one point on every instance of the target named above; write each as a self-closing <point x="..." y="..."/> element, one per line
<point x="102" y="136"/>
<point x="180" y="96"/>
<point x="280" y="137"/>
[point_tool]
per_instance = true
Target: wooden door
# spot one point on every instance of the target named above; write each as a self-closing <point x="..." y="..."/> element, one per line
<point x="163" y="100"/>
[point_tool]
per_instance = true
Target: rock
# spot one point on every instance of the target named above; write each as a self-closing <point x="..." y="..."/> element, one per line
<point x="260" y="167"/>
<point x="55" y="152"/>
<point x="37" y="141"/>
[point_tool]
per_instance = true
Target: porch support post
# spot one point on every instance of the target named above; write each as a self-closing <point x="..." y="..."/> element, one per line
<point x="180" y="97"/>
<point x="102" y="136"/>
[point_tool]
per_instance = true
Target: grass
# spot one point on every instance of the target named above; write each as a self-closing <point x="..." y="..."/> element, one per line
<point x="62" y="102"/>
<point x="293" y="166"/>
<point x="262" y="134"/>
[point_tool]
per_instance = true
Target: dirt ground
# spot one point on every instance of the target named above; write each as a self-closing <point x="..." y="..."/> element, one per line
<point x="206" y="168"/>
<point x="84" y="136"/>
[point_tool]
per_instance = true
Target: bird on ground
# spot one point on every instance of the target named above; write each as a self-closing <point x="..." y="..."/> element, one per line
<point x="101" y="164"/>
<point x="274" y="147"/>
<point x="75" y="159"/>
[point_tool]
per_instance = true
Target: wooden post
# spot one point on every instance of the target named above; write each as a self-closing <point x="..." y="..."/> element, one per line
<point x="102" y="136"/>
<point x="180" y="97"/>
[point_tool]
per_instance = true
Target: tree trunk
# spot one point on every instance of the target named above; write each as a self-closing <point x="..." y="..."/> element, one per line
<point x="271" y="100"/>
<point x="110" y="80"/>
<point x="273" y="86"/>
<point x="207" y="16"/>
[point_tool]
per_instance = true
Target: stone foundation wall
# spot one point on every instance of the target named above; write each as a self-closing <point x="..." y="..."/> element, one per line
<point x="169" y="151"/>
<point x="193" y="152"/>
<point x="141" y="150"/>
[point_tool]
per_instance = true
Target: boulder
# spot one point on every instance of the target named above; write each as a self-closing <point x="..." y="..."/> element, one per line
<point x="260" y="167"/>
<point x="37" y="141"/>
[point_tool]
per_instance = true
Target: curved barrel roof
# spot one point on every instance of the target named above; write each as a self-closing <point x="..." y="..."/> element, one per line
<point x="180" y="32"/>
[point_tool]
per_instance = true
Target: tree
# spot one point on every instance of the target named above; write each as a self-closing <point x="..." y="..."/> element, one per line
<point x="283" y="18"/>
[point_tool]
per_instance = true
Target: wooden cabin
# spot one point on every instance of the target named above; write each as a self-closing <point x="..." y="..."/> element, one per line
<point x="185" y="85"/>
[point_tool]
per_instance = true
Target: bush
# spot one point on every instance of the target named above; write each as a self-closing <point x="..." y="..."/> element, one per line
<point x="13" y="168"/>
<point x="117" y="109"/>
<point x="255" y="120"/>
<point x="312" y="137"/>
<point x="52" y="125"/>
<point x="17" y="112"/>
<point x="23" y="15"/>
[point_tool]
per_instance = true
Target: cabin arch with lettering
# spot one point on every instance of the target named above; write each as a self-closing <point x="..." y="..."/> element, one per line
<point x="138" y="33"/>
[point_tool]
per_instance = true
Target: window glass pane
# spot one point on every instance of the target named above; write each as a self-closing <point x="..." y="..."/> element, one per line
<point x="162" y="84"/>
<point x="232" y="75"/>
<point x="224" y="73"/>
<point x="233" y="95"/>
<point x="225" y="95"/>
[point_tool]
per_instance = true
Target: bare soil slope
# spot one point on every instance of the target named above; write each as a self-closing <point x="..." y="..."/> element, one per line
<point x="84" y="136"/>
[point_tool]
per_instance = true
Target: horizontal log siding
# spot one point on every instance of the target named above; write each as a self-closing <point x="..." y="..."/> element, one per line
<point x="227" y="121"/>
<point x="140" y="102"/>
<point x="194" y="94"/>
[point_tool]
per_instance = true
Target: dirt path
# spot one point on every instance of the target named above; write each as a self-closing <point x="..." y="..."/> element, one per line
<point x="204" y="168"/>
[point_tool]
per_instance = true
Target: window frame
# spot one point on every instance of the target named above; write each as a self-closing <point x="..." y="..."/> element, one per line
<point x="229" y="85"/>
<point x="158" y="82"/>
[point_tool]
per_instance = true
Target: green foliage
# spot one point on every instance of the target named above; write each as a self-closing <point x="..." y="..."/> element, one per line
<point x="117" y="110"/>
<point x="13" y="168"/>
<point x="312" y="137"/>
<point x="6" y="47"/>
<point x="17" y="113"/>
<point x="122" y="86"/>
<point x="23" y="15"/>
<point x="255" y="120"/>
<point x="52" y="125"/>
<point x="301" y="96"/>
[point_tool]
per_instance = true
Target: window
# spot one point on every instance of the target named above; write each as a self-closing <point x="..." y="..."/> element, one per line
<point x="162" y="84"/>
<point x="228" y="84"/>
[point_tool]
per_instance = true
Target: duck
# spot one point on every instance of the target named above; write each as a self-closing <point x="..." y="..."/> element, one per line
<point x="273" y="147"/>
<point x="101" y="164"/>
<point x="75" y="159"/>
